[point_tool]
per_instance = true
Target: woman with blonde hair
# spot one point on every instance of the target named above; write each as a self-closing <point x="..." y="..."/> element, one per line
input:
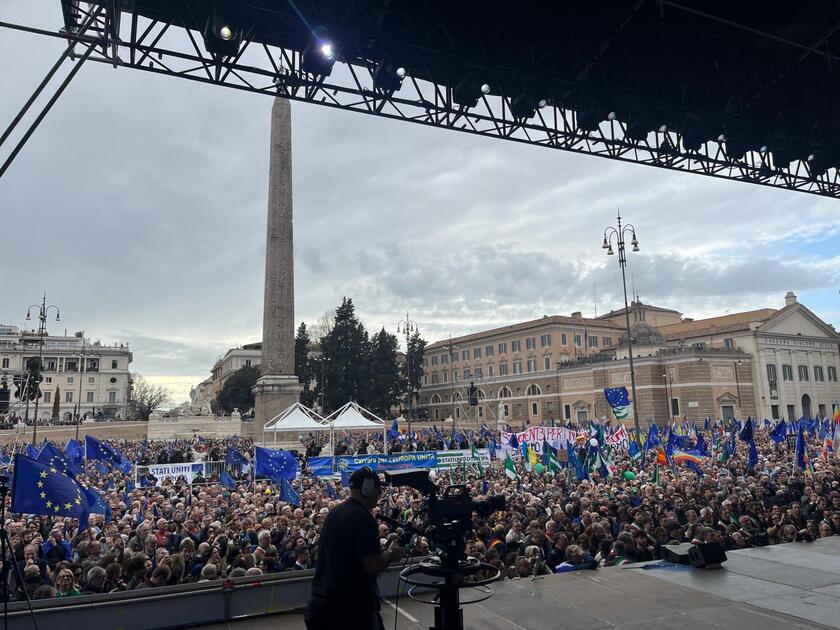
<point x="65" y="584"/>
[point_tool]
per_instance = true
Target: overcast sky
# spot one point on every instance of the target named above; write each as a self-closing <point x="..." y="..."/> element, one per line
<point x="139" y="207"/>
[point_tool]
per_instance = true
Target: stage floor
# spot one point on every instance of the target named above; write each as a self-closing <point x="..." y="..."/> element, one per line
<point x="784" y="586"/>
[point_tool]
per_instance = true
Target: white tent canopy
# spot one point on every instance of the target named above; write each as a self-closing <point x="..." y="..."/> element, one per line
<point x="297" y="418"/>
<point x="353" y="416"/>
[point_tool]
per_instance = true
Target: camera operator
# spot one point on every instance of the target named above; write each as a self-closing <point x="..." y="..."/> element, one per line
<point x="344" y="589"/>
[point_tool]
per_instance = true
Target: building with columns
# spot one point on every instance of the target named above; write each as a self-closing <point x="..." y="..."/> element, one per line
<point x="768" y="363"/>
<point x="87" y="377"/>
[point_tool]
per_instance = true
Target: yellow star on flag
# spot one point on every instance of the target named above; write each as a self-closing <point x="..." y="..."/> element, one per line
<point x="49" y="503"/>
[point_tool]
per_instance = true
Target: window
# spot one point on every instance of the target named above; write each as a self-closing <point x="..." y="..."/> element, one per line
<point x="607" y="341"/>
<point x="456" y="376"/>
<point x="675" y="407"/>
<point x="247" y="362"/>
<point x="774" y="411"/>
<point x="577" y="339"/>
<point x="466" y="373"/>
<point x="532" y="365"/>
<point x="564" y="340"/>
<point x="822" y="411"/>
<point x="444" y="359"/>
<point x="503" y="369"/>
<point x="503" y="348"/>
<point x="47" y="396"/>
<point x="771" y="373"/>
<point x="476" y="353"/>
<point x="465" y="355"/>
<point x="567" y="412"/>
<point x="91" y="379"/>
<point x="437" y="414"/>
<point x="517" y="367"/>
<point x="803" y="373"/>
<point x="425" y="379"/>
<point x="445" y="376"/>
<point x="547" y="363"/>
<point x="5" y="363"/>
<point x="50" y="365"/>
<point x="582" y="415"/>
<point x="434" y="361"/>
<point x="90" y="397"/>
<point x="535" y="408"/>
<point x="457" y="412"/>
<point x="727" y="412"/>
<point x="114" y="364"/>
<point x="818" y="373"/>
<point x="477" y="371"/>
<point x="48" y="379"/>
<point x="425" y="363"/>
<point x="787" y="372"/>
<point x="832" y="373"/>
<point x="434" y="378"/>
<point x="791" y="412"/>
<point x="488" y="351"/>
<point x="729" y="343"/>
<point x="545" y="341"/>
<point x="112" y="396"/>
<point x="454" y="357"/>
<point x="515" y="345"/>
<point x="68" y="396"/>
<point x="504" y="392"/>
<point x="530" y="343"/>
<point x="534" y="390"/>
<point x="490" y="370"/>
<point x="593" y="341"/>
<point x="71" y="380"/>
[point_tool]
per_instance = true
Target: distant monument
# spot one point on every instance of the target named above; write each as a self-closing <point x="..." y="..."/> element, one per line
<point x="278" y="387"/>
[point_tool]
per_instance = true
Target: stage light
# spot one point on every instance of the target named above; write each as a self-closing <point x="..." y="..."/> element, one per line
<point x="542" y="103"/>
<point x="485" y="88"/>
<point x="721" y="138"/>
<point x="222" y="34"/>
<point x="469" y="91"/>
<point x="388" y="77"/>
<point x="611" y="116"/>
<point x="319" y="56"/>
<point x="523" y="107"/>
<point x="663" y="129"/>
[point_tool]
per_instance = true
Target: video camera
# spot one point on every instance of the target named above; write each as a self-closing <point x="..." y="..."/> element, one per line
<point x="449" y="514"/>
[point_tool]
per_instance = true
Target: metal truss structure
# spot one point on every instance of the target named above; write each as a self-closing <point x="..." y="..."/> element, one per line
<point x="110" y="32"/>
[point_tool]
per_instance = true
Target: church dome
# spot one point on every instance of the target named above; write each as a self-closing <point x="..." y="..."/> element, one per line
<point x="643" y="334"/>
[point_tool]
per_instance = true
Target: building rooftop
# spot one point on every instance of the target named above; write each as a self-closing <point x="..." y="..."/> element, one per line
<point x="723" y="323"/>
<point x="636" y="304"/>
<point x="524" y="326"/>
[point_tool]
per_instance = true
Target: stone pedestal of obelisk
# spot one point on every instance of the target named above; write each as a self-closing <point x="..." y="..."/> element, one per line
<point x="278" y="387"/>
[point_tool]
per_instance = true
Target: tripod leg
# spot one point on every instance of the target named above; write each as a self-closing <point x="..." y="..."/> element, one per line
<point x="5" y="544"/>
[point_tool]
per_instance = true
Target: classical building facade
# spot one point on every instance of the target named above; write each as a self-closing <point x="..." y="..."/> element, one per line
<point x="767" y="363"/>
<point x="86" y="377"/>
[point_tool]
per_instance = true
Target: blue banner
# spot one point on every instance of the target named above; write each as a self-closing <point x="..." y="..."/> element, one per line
<point x="319" y="466"/>
<point x="383" y="463"/>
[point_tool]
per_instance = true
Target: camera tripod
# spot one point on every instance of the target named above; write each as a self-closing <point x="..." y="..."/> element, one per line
<point x="448" y="579"/>
<point x="7" y="562"/>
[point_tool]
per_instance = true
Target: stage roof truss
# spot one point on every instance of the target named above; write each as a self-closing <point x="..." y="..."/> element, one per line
<point x="174" y="47"/>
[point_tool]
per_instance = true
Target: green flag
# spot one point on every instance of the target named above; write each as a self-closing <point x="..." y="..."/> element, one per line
<point x="510" y="469"/>
<point x="655" y="478"/>
<point x="475" y="456"/>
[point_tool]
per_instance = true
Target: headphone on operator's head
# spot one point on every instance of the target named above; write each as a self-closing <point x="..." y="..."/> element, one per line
<point x="369" y="482"/>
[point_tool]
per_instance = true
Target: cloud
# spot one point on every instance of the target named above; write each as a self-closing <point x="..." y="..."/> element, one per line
<point x="139" y="207"/>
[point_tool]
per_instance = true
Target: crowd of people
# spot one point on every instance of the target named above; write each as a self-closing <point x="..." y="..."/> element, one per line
<point x="177" y="532"/>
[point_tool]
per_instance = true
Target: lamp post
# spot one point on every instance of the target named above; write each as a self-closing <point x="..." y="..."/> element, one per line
<point x="668" y="393"/>
<point x="619" y="233"/>
<point x="736" y="365"/>
<point x="43" y="309"/>
<point x="408" y="326"/>
<point x="81" y="372"/>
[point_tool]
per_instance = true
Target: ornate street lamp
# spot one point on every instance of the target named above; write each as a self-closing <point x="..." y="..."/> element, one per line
<point x="43" y="309"/>
<point x="408" y="326"/>
<point x="619" y="234"/>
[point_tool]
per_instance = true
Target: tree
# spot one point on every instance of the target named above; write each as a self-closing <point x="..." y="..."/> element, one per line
<point x="322" y="326"/>
<point x="146" y="397"/>
<point x="303" y="365"/>
<point x="237" y="392"/>
<point x="414" y="362"/>
<point x="384" y="382"/>
<point x="345" y="356"/>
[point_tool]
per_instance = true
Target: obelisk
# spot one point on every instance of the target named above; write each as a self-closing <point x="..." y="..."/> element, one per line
<point x="278" y="387"/>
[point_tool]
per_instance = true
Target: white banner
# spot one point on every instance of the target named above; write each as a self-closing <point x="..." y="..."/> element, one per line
<point x="162" y="471"/>
<point x="450" y="459"/>
<point x="559" y="437"/>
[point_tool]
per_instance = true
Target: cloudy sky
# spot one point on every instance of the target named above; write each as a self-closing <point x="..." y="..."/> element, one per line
<point x="139" y="207"/>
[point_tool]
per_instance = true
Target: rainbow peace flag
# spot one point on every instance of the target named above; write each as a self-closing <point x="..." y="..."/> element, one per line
<point x="836" y="412"/>
<point x="681" y="457"/>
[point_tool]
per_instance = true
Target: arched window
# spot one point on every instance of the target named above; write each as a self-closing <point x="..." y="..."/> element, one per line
<point x="435" y="399"/>
<point x="458" y="396"/>
<point x="504" y="392"/>
<point x="534" y="390"/>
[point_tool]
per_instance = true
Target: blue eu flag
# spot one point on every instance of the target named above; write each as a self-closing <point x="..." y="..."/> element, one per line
<point x="40" y="488"/>
<point x="234" y="459"/>
<point x="227" y="481"/>
<point x="779" y="433"/>
<point x="97" y="449"/>
<point x="275" y="464"/>
<point x="52" y="456"/>
<point x="288" y="494"/>
<point x="75" y="456"/>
